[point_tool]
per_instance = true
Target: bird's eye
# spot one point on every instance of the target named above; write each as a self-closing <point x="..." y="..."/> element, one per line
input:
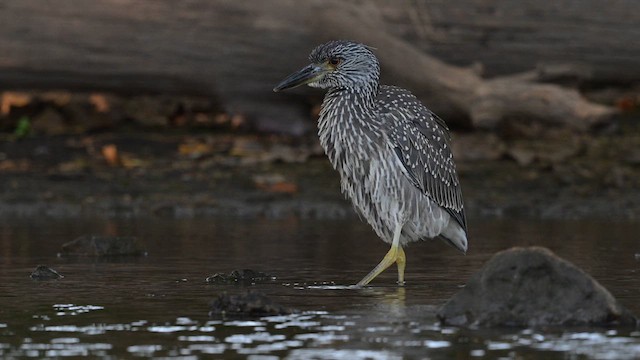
<point x="334" y="61"/>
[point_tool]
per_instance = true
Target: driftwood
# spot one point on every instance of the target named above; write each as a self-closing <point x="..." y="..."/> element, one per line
<point x="236" y="51"/>
<point x="600" y="37"/>
<point x="486" y="102"/>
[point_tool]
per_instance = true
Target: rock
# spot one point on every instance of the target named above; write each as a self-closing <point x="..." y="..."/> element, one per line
<point x="244" y="276"/>
<point x="250" y="304"/>
<point x="99" y="245"/>
<point x="530" y="287"/>
<point x="45" y="273"/>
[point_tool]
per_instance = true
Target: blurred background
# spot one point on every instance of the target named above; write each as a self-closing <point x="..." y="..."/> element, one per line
<point x="107" y="101"/>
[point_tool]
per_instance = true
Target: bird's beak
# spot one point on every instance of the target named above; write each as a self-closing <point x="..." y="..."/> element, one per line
<point x="308" y="74"/>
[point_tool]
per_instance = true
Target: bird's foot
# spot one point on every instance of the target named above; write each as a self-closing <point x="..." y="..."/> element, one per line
<point x="394" y="255"/>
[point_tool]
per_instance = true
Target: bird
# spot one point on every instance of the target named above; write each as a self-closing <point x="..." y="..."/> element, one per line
<point x="392" y="153"/>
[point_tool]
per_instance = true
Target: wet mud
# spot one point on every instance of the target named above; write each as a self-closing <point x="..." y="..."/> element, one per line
<point x="160" y="174"/>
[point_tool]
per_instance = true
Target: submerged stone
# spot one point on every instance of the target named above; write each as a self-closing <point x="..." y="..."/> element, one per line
<point x="250" y="304"/>
<point x="532" y="287"/>
<point x="240" y="276"/>
<point x="45" y="273"/>
<point x="99" y="245"/>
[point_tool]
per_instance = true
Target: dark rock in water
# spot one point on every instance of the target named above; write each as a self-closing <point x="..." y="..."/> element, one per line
<point x="98" y="245"/>
<point x="243" y="276"/>
<point x="250" y="304"/>
<point x="45" y="273"/>
<point x="529" y="287"/>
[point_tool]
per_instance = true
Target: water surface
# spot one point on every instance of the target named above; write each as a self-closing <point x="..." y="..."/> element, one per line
<point x="157" y="305"/>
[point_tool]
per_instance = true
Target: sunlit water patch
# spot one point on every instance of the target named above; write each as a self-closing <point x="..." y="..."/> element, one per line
<point x="71" y="309"/>
<point x="374" y="334"/>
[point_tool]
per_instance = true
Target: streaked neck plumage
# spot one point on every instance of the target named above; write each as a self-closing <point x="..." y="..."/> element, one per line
<point x="347" y="111"/>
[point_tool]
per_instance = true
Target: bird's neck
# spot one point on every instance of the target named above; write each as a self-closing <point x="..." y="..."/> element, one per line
<point x="362" y="98"/>
<point x="348" y="122"/>
<point x="347" y="107"/>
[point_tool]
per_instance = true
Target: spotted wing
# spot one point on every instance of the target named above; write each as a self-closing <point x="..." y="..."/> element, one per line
<point x="421" y="142"/>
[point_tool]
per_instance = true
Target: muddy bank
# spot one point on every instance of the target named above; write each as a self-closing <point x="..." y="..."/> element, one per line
<point x="183" y="174"/>
<point x="65" y="154"/>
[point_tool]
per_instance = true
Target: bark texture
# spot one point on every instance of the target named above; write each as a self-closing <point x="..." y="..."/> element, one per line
<point x="236" y="51"/>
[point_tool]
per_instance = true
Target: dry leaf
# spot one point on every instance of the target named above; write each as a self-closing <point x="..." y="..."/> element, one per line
<point x="99" y="102"/>
<point x="195" y="149"/>
<point x="275" y="183"/>
<point x="111" y="156"/>
<point x="12" y="98"/>
<point x="130" y="162"/>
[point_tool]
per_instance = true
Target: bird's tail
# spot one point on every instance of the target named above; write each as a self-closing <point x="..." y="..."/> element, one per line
<point x="455" y="235"/>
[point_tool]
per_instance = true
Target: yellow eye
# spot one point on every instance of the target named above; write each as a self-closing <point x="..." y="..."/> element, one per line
<point x="335" y="61"/>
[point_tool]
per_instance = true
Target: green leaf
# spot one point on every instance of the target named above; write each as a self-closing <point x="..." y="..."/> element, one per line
<point x="23" y="128"/>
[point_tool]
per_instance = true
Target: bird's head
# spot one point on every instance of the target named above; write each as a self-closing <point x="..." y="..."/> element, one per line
<point x="336" y="64"/>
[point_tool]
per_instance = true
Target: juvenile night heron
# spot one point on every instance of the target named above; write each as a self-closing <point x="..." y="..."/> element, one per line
<point x="393" y="154"/>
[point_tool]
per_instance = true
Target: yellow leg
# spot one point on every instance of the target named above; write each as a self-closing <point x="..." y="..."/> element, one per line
<point x="394" y="255"/>
<point x="402" y="262"/>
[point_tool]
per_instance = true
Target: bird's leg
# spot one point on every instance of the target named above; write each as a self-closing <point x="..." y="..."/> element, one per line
<point x="394" y="255"/>
<point x="401" y="261"/>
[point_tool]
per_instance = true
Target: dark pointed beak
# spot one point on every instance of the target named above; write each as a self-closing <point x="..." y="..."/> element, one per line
<point x="304" y="76"/>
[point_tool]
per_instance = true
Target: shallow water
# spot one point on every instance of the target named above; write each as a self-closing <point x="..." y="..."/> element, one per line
<point x="157" y="305"/>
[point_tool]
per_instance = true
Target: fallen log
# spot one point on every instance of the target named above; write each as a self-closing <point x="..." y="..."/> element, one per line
<point x="237" y="51"/>
<point x="462" y="92"/>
